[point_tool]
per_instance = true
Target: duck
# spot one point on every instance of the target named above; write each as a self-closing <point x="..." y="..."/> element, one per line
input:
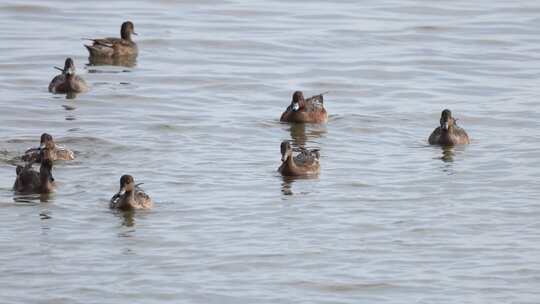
<point x="115" y="47"/>
<point x="56" y="152"/>
<point x="304" y="164"/>
<point x="301" y="110"/>
<point x="30" y="181"/>
<point x="130" y="196"/>
<point x="67" y="82"/>
<point x="449" y="133"/>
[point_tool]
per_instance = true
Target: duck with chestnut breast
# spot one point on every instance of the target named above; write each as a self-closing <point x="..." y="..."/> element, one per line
<point x="304" y="164"/>
<point x="448" y="133"/>
<point x="67" y="82"/>
<point x="115" y="47"/>
<point x="130" y="196"/>
<point x="56" y="152"/>
<point x="30" y="181"/>
<point x="301" y="110"/>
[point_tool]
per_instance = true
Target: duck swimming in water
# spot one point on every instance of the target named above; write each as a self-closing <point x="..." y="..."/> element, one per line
<point x="56" y="152"/>
<point x="130" y="196"/>
<point x="310" y="110"/>
<point x="31" y="181"/>
<point x="305" y="163"/>
<point x="115" y="47"/>
<point x="448" y="134"/>
<point x="67" y="82"/>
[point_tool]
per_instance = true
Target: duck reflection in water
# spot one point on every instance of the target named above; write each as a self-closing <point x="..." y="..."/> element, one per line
<point x="447" y="154"/>
<point x="129" y="62"/>
<point x="286" y="185"/>
<point x="126" y="216"/>
<point x="300" y="136"/>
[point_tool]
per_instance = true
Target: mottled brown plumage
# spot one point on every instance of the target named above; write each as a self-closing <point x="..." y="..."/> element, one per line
<point x="115" y="47"/>
<point x="56" y="152"/>
<point x="130" y="196"/>
<point x="305" y="163"/>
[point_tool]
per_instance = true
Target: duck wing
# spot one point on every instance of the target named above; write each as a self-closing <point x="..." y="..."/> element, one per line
<point x="115" y="199"/>
<point x="307" y="157"/>
<point x="315" y="103"/>
<point x="109" y="41"/>
<point x="142" y="199"/>
<point x="463" y="137"/>
<point x="64" y="153"/>
<point x="31" y="155"/>
<point x="57" y="80"/>
<point x="102" y="47"/>
<point x="435" y="136"/>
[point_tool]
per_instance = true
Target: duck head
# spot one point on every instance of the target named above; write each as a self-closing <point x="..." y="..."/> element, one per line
<point x="286" y="151"/>
<point x="69" y="67"/>
<point x="127" y="184"/>
<point x="447" y="121"/>
<point x="297" y="101"/>
<point x="46" y="141"/>
<point x="126" y="30"/>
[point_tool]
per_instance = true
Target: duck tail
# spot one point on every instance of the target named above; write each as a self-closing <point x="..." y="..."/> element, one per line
<point x="322" y="96"/>
<point x="91" y="50"/>
<point x="318" y="98"/>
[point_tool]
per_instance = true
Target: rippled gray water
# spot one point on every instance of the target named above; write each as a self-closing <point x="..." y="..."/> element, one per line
<point x="389" y="220"/>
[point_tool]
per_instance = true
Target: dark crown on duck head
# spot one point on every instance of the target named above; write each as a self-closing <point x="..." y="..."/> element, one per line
<point x="297" y="100"/>
<point x="69" y="66"/>
<point x="45" y="137"/>
<point x="446" y="119"/>
<point x="69" y="63"/>
<point x="126" y="179"/>
<point x="46" y="141"/>
<point x="126" y="30"/>
<point x="298" y="96"/>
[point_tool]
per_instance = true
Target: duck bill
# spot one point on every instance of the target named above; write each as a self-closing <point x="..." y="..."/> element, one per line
<point x="59" y="68"/>
<point x="135" y="34"/>
<point x="70" y="71"/>
<point x="122" y="191"/>
<point x="444" y="126"/>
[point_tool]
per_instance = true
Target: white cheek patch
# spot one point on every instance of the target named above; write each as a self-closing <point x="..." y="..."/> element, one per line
<point x="295" y="106"/>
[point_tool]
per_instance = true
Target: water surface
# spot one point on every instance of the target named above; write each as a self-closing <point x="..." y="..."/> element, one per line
<point x="389" y="220"/>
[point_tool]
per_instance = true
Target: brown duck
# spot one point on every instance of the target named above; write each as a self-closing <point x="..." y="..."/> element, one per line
<point x="310" y="110"/>
<point x="448" y="134"/>
<point x="31" y="181"/>
<point x="115" y="47"/>
<point x="305" y="163"/>
<point x="67" y="82"/>
<point x="130" y="196"/>
<point x="56" y="152"/>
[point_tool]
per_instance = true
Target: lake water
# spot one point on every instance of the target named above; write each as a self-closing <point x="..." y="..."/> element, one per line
<point x="389" y="220"/>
